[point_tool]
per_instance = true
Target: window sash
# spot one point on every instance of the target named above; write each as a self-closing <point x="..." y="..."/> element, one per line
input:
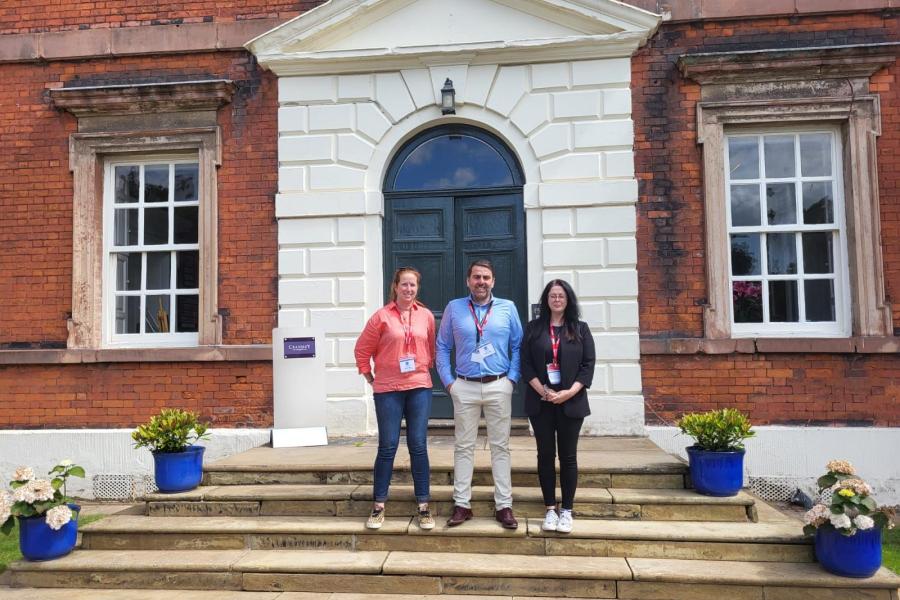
<point x="111" y="250"/>
<point x="838" y="327"/>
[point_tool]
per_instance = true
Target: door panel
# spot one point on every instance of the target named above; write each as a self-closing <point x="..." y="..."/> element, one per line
<point x="440" y="235"/>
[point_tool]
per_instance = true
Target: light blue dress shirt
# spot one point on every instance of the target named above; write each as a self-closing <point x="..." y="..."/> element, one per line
<point x="503" y="329"/>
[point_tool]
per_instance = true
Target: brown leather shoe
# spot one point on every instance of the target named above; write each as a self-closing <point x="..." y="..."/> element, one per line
<point x="460" y="515"/>
<point x="506" y="518"/>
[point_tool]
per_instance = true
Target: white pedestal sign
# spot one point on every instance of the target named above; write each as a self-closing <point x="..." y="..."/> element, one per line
<point x="298" y="370"/>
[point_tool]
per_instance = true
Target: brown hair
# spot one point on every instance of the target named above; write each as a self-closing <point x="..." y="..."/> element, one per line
<point x="396" y="281"/>
<point x="481" y="262"/>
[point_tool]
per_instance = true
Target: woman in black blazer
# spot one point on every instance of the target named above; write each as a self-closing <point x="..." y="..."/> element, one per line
<point x="558" y="364"/>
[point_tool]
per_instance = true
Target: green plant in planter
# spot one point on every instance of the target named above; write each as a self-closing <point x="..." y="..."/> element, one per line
<point x="717" y="430"/>
<point x="172" y="430"/>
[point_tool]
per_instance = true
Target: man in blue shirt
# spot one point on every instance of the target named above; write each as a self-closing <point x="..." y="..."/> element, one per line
<point x="486" y="333"/>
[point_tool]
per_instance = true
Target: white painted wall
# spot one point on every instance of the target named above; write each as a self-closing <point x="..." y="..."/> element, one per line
<point x="798" y="455"/>
<point x="104" y="452"/>
<point x="570" y="125"/>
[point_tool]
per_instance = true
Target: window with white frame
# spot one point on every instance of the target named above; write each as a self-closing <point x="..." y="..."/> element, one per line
<point x="786" y="230"/>
<point x="151" y="237"/>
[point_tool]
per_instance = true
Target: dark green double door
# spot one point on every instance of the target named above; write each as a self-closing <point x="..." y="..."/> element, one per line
<point x="440" y="235"/>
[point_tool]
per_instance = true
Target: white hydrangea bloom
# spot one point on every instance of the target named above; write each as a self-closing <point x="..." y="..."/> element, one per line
<point x="23" y="474"/>
<point x="66" y="463"/>
<point x="58" y="516"/>
<point x="24" y="494"/>
<point x="42" y="489"/>
<point x="6" y="503"/>
<point x="863" y="522"/>
<point x="817" y="515"/>
<point x="840" y="521"/>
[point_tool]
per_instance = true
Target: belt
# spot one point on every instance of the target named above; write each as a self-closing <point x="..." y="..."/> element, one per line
<point x="485" y="379"/>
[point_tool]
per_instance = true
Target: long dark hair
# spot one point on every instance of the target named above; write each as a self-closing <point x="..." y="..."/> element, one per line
<point x="571" y="314"/>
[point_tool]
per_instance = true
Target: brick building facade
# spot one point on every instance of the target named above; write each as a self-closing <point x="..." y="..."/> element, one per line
<point x="121" y="83"/>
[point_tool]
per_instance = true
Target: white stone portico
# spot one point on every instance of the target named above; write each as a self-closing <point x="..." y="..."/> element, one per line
<point x="358" y="78"/>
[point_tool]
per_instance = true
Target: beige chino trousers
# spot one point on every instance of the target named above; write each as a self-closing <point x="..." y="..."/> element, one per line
<point x="469" y="399"/>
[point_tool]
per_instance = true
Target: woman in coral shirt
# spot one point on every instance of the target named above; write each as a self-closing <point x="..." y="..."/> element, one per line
<point x="399" y="339"/>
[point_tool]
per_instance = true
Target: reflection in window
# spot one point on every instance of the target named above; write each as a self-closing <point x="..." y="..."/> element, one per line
<point x="453" y="161"/>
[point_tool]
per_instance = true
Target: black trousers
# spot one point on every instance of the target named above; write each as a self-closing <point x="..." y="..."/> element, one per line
<point x="554" y="430"/>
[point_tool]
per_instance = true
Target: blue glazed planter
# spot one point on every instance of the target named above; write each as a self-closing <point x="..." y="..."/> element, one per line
<point x="716" y="473"/>
<point x="38" y="542"/>
<point x="178" y="471"/>
<point x="858" y="555"/>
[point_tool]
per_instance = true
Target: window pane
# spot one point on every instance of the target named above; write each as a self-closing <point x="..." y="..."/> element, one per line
<point x="745" y="258"/>
<point x="187" y="309"/>
<point x="128" y="271"/>
<point x="186" y="225"/>
<point x="186" y="183"/>
<point x="126" y="227"/>
<point x="818" y="203"/>
<point x="128" y="314"/>
<point x="779" y="155"/>
<point x="781" y="203"/>
<point x="157" y="314"/>
<point x="128" y="183"/>
<point x="156" y="226"/>
<point x="187" y="276"/>
<point x="818" y="252"/>
<point x="453" y="161"/>
<point x="819" y="300"/>
<point x="159" y="270"/>
<point x="781" y="249"/>
<point x="815" y="154"/>
<point x="156" y="183"/>
<point x="747" y="301"/>
<point x="744" y="205"/>
<point x="743" y="157"/>
<point x="783" y="302"/>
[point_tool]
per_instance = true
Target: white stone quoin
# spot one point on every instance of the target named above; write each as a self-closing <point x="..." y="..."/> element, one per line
<point x="358" y="78"/>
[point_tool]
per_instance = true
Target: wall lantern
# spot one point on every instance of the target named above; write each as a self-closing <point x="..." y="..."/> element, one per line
<point x="448" y="98"/>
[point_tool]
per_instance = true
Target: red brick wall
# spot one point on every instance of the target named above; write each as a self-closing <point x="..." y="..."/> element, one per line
<point x="35" y="16"/>
<point x="36" y="193"/>
<point x="774" y="388"/>
<point x="36" y="262"/>
<point x="125" y="394"/>
<point x="785" y="389"/>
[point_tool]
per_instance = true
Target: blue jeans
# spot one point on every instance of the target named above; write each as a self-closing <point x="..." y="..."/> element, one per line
<point x="390" y="408"/>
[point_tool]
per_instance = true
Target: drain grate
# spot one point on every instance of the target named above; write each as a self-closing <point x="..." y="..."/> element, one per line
<point x="781" y="489"/>
<point x="110" y="486"/>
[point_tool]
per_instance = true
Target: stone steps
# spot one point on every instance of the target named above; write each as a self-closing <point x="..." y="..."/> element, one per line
<point x="382" y="572"/>
<point x="780" y="541"/>
<point x="355" y="500"/>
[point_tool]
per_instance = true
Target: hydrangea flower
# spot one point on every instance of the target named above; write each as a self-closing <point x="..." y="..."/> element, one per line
<point x="6" y="503"/>
<point x="841" y="466"/>
<point x="857" y="486"/>
<point x="58" y="516"/>
<point x="840" y="521"/>
<point x="817" y="515"/>
<point x="42" y="489"/>
<point x="23" y="474"/>
<point x="863" y="522"/>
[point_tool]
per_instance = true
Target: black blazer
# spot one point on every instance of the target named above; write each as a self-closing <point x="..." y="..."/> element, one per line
<point x="576" y="363"/>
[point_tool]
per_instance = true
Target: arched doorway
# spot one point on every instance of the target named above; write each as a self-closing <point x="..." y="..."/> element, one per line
<point x="453" y="194"/>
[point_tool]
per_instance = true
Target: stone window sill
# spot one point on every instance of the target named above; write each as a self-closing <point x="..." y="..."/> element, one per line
<point x="226" y="353"/>
<point x="852" y="345"/>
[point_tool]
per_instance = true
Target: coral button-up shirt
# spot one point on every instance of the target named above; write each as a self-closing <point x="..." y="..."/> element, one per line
<point x="384" y="340"/>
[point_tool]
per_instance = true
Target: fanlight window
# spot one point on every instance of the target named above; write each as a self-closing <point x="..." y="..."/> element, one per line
<point x="453" y="161"/>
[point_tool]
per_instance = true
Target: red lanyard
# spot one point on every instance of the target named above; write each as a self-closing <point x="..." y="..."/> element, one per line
<point x="407" y="330"/>
<point x="480" y="326"/>
<point x="554" y="344"/>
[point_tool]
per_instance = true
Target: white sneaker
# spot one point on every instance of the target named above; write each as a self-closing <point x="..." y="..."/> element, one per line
<point x="550" y="521"/>
<point x="565" y="522"/>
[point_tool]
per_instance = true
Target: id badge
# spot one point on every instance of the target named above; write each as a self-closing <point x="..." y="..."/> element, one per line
<point x="483" y="352"/>
<point x="553" y="374"/>
<point x="407" y="364"/>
